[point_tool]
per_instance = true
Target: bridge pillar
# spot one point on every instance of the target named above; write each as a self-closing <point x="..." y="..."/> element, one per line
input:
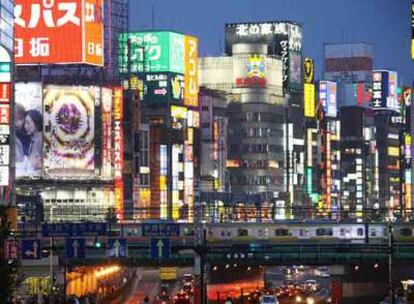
<point x="363" y="283"/>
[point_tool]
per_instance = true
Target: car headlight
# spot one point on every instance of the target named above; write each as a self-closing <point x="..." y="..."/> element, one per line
<point x="298" y="299"/>
<point x="310" y="301"/>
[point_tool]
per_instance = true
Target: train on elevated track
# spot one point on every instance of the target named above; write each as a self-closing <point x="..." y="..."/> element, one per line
<point x="289" y="231"/>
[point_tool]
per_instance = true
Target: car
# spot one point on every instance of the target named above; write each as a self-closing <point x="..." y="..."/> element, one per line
<point x="268" y="299"/>
<point x="188" y="287"/>
<point x="181" y="298"/>
<point x="312" y="285"/>
<point x="188" y="277"/>
<point x="163" y="296"/>
<point x="322" y="272"/>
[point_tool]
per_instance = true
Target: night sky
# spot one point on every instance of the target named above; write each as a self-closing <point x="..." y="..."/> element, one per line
<point x="383" y="23"/>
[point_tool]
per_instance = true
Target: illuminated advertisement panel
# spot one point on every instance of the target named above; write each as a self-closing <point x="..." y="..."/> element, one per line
<point x="5" y="92"/>
<point x="69" y="120"/>
<point x="118" y="155"/>
<point x="106" y="170"/>
<point x="412" y="29"/>
<point x="28" y="120"/>
<point x="163" y="182"/>
<point x="163" y="88"/>
<point x="378" y="87"/>
<point x="327" y="97"/>
<point x="59" y="31"/>
<point x="249" y="71"/>
<point x="385" y="90"/>
<point x="308" y="70"/>
<point x="191" y="71"/>
<point x="283" y="39"/>
<point x="5" y="78"/>
<point x="119" y="199"/>
<point x="118" y="133"/>
<point x="152" y="52"/>
<point x="392" y="98"/>
<point x="309" y="97"/>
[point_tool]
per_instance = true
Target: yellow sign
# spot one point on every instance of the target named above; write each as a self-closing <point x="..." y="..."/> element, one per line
<point x="309" y="97"/>
<point x="393" y="151"/>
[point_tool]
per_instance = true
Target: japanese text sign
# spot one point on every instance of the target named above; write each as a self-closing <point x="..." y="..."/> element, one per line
<point x="58" y="31"/>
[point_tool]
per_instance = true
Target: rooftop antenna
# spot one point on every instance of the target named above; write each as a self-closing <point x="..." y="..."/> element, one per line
<point x="220" y="46"/>
<point x="153" y="17"/>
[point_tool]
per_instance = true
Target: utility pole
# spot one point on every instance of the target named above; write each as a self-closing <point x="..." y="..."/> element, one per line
<point x="390" y="262"/>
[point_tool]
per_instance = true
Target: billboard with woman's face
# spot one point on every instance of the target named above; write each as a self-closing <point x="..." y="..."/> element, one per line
<point x="28" y="121"/>
<point x="69" y="130"/>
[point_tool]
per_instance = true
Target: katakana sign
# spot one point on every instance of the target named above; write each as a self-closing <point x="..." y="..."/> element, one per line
<point x="58" y="31"/>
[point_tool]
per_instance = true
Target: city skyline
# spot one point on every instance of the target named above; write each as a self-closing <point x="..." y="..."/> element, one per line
<point x="371" y="21"/>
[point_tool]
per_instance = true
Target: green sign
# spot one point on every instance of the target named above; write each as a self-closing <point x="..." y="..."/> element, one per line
<point x="152" y="52"/>
<point x="163" y="88"/>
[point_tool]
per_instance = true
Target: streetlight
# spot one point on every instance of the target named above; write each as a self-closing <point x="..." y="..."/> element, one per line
<point x="390" y="261"/>
<point x="51" y="250"/>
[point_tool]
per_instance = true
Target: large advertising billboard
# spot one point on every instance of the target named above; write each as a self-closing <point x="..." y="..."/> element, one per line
<point x="309" y="97"/>
<point x="163" y="87"/>
<point x="283" y="39"/>
<point x="328" y="97"/>
<point x="249" y="71"/>
<point x="59" y="31"/>
<point x="384" y="90"/>
<point x="118" y="157"/>
<point x="118" y="132"/>
<point x="308" y="70"/>
<point x="28" y="122"/>
<point x="69" y="120"/>
<point x="412" y="29"/>
<point x="191" y="71"/>
<point x="152" y="52"/>
<point x="309" y="87"/>
<point x="106" y="169"/>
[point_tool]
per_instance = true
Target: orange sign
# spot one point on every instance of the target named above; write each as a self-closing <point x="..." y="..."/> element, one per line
<point x="58" y="31"/>
<point x="5" y="92"/>
<point x="191" y="71"/>
<point x="118" y="133"/>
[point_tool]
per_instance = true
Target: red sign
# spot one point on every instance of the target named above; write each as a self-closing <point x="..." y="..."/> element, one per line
<point x="5" y="92"/>
<point x="11" y="249"/>
<point x="58" y="31"/>
<point x="118" y="133"/>
<point x="251" y="82"/>
<point x="4" y="114"/>
<point x="119" y="199"/>
<point x="118" y="151"/>
<point x="106" y="133"/>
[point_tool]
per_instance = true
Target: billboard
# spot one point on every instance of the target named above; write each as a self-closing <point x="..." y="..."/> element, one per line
<point x="152" y="52"/>
<point x="308" y="70"/>
<point x="249" y="71"/>
<point x="5" y="78"/>
<point x="28" y="121"/>
<point x="106" y="169"/>
<point x="283" y="39"/>
<point x="392" y="98"/>
<point x="59" y="31"/>
<point x="309" y="87"/>
<point x="163" y="87"/>
<point x="328" y="97"/>
<point x="191" y="71"/>
<point x="69" y="120"/>
<point x="118" y="133"/>
<point x="309" y="97"/>
<point x="412" y="29"/>
<point x="384" y="90"/>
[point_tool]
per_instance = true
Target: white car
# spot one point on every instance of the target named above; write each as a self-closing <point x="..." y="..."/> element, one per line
<point x="268" y="300"/>
<point x="312" y="285"/>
